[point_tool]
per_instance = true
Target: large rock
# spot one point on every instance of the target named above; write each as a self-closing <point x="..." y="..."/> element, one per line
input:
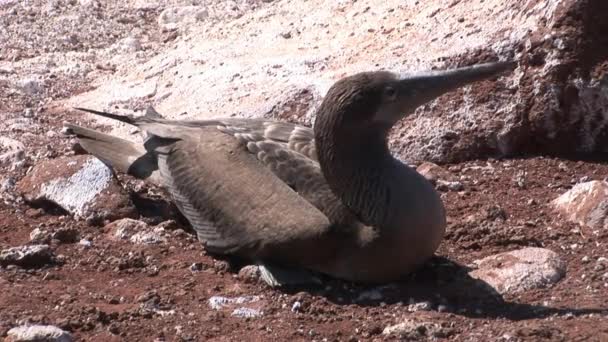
<point x="38" y="333"/>
<point x="520" y="270"/>
<point x="552" y="102"/>
<point x="585" y="204"/>
<point x="81" y="185"/>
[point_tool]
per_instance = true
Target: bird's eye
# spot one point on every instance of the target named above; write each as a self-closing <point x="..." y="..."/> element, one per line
<point x="390" y="93"/>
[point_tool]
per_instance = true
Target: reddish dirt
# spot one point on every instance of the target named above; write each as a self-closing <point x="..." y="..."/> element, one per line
<point x="108" y="292"/>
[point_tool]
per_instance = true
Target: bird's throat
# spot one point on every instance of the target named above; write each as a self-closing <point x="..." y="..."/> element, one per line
<point x="357" y="168"/>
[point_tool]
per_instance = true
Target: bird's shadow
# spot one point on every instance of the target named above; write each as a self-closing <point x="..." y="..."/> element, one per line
<point x="440" y="285"/>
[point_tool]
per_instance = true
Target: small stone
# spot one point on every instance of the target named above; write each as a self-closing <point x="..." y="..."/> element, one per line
<point x="135" y="231"/>
<point x="520" y="270"/>
<point x="297" y="305"/>
<point x="286" y="35"/>
<point x="38" y="333"/>
<point x="131" y="44"/>
<point x="39" y="235"/>
<point x="31" y="86"/>
<point x="246" y="313"/>
<point x="420" y="306"/>
<point x="433" y="172"/>
<point x="250" y="274"/>
<point x="449" y="186"/>
<point x="174" y="17"/>
<point x="412" y="330"/>
<point x="196" y="267"/>
<point x="31" y="256"/>
<point x="66" y="235"/>
<point x="585" y="204"/>
<point x="85" y="243"/>
<point x="218" y="302"/>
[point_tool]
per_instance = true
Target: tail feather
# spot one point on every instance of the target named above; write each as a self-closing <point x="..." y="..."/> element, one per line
<point x="122" y="155"/>
<point x="122" y="118"/>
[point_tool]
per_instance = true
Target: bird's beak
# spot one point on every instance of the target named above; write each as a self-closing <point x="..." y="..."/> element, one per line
<point x="417" y="89"/>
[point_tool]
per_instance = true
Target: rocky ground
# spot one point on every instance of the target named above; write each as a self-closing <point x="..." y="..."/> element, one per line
<point x="102" y="259"/>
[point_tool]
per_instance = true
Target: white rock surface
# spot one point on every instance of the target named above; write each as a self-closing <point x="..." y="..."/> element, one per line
<point x="218" y="302"/>
<point x="173" y="17"/>
<point x="38" y="333"/>
<point x="12" y="152"/>
<point x="26" y="256"/>
<point x="31" y="86"/>
<point x="520" y="270"/>
<point x="135" y="231"/>
<point x="585" y="204"/>
<point x="81" y="185"/>
<point x="307" y="45"/>
<point x="412" y="330"/>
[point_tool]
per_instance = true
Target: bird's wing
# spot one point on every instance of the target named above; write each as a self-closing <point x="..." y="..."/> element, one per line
<point x="235" y="204"/>
<point x="292" y="136"/>
<point x="286" y="149"/>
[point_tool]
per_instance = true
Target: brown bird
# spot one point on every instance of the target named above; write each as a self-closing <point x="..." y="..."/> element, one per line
<point x="330" y="199"/>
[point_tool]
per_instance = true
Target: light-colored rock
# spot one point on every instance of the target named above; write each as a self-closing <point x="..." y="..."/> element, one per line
<point x="246" y="313"/>
<point x="449" y="186"/>
<point x="12" y="152"/>
<point x="63" y="235"/>
<point x="31" y="86"/>
<point x="38" y="333"/>
<point x="250" y="274"/>
<point x="130" y="44"/>
<point x="585" y="204"/>
<point x="81" y="185"/>
<point x="242" y="306"/>
<point x="520" y="270"/>
<point x="135" y="231"/>
<point x="412" y="330"/>
<point x="173" y="17"/>
<point x="433" y="172"/>
<point x="550" y="39"/>
<point x="27" y="256"/>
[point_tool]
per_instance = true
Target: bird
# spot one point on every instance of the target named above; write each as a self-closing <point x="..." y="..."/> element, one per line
<point x="328" y="199"/>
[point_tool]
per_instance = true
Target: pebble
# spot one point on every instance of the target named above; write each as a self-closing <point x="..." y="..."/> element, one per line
<point x="31" y="86"/>
<point x="246" y="313"/>
<point x="412" y="330"/>
<point x="38" y="333"/>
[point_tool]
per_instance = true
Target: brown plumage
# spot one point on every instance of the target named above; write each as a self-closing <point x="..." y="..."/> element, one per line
<point x="330" y="199"/>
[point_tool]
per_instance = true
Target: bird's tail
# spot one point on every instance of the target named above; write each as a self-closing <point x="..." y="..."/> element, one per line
<point x="122" y="155"/>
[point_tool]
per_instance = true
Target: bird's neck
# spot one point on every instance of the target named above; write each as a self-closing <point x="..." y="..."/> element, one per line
<point x="357" y="168"/>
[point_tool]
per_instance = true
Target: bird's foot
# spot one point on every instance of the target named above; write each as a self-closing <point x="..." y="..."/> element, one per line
<point x="276" y="276"/>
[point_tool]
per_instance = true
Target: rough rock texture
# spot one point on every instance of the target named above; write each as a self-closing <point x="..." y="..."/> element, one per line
<point x="135" y="231"/>
<point x="520" y="270"/>
<point x="38" y="333"/>
<point x="558" y="91"/>
<point x="80" y="185"/>
<point x="585" y="204"/>
<point x="410" y="330"/>
<point x="12" y="152"/>
<point x="26" y="256"/>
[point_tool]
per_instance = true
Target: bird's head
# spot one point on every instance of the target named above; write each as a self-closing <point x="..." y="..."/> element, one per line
<point x="375" y="101"/>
